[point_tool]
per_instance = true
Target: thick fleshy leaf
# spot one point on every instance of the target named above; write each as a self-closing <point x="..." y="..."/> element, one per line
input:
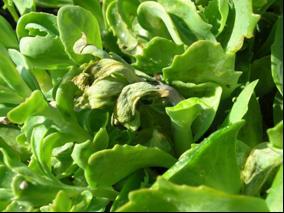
<point x="10" y="76"/>
<point x="262" y="5"/>
<point x="216" y="13"/>
<point x="275" y="135"/>
<point x="109" y="166"/>
<point x="25" y="6"/>
<point x="133" y="182"/>
<point x="94" y="7"/>
<point x="168" y="197"/>
<point x="259" y="165"/>
<point x="128" y="10"/>
<point x="73" y="21"/>
<point x="127" y="41"/>
<point x="40" y="42"/>
<point x="83" y="151"/>
<point x="260" y="70"/>
<point x="192" y="66"/>
<point x="192" y="117"/>
<point x="7" y="35"/>
<point x="247" y="107"/>
<point x="154" y="18"/>
<point x="36" y="105"/>
<point x="218" y="151"/>
<point x="244" y="25"/>
<point x="32" y="105"/>
<point x="274" y="198"/>
<point x="151" y="61"/>
<point x="186" y="12"/>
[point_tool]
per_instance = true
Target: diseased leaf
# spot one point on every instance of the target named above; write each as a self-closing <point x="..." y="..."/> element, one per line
<point x="261" y="162"/>
<point x="126" y="112"/>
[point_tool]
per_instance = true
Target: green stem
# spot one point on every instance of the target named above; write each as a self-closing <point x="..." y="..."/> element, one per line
<point x="183" y="138"/>
<point x="10" y="7"/>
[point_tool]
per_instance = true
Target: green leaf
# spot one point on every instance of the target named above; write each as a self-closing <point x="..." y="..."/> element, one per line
<point x="66" y="201"/>
<point x="18" y="206"/>
<point x="216" y="13"/>
<point x="109" y="166"/>
<point x="261" y="70"/>
<point x="25" y="6"/>
<point x="192" y="117"/>
<point x="192" y="66"/>
<point x="186" y="12"/>
<point x="10" y="135"/>
<point x="7" y="35"/>
<point x="277" y="56"/>
<point x="10" y="76"/>
<point x="133" y="182"/>
<point x="275" y="135"/>
<point x="262" y="5"/>
<point x="94" y="7"/>
<point x="218" y="151"/>
<point x="39" y="41"/>
<point x="127" y="41"/>
<point x="32" y="105"/>
<point x="151" y="61"/>
<point x="252" y="131"/>
<point x="36" y="105"/>
<point x="168" y="197"/>
<point x="34" y="193"/>
<point x="128" y="10"/>
<point x="240" y="107"/>
<point x="73" y="21"/>
<point x="261" y="162"/>
<point x="154" y="18"/>
<point x="83" y="151"/>
<point x="246" y="107"/>
<point x="244" y="25"/>
<point x="274" y="198"/>
<point x="23" y="68"/>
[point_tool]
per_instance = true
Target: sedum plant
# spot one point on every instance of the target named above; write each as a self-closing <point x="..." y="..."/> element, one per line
<point x="134" y="105"/>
